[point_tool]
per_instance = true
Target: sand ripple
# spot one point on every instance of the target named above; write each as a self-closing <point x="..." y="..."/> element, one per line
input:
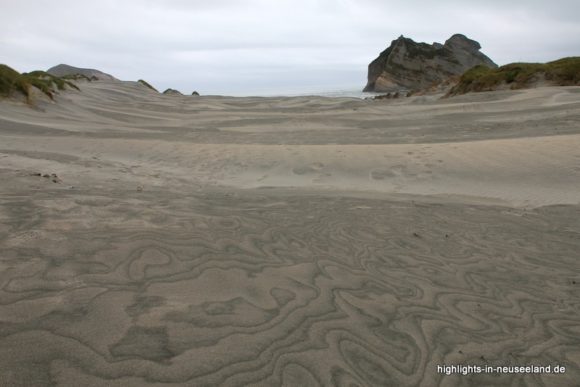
<point x="255" y="289"/>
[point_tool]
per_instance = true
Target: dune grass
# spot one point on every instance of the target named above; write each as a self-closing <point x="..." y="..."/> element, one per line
<point x="171" y="91"/>
<point x="562" y="72"/>
<point x="79" y="77"/>
<point x="11" y="81"/>
<point x="50" y="81"/>
<point x="145" y="83"/>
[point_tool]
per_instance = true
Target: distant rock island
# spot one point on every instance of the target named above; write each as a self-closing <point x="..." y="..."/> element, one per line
<point x="63" y="70"/>
<point x="409" y="65"/>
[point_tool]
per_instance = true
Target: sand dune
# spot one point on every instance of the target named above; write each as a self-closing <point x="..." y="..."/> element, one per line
<point x="288" y="241"/>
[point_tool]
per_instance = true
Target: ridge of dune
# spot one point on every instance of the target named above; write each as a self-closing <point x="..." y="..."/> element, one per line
<point x="514" y="146"/>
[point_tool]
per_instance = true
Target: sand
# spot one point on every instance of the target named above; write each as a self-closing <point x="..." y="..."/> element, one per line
<point x="201" y="241"/>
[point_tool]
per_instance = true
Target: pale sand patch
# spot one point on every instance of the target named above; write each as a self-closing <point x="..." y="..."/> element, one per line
<point x="524" y="171"/>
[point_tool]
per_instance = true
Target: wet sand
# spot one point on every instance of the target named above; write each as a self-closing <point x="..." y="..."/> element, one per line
<point x="201" y="241"/>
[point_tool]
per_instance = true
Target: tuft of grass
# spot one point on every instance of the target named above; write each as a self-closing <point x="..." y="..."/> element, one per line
<point x="49" y="81"/>
<point x="145" y="83"/>
<point x="12" y="81"/>
<point x="172" y="91"/>
<point x="79" y="77"/>
<point x="562" y="72"/>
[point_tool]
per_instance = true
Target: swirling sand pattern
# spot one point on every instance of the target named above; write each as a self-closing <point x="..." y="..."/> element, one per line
<point x="270" y="289"/>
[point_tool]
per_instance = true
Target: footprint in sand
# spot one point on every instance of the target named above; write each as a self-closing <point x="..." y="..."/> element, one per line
<point x="308" y="169"/>
<point x="385" y="173"/>
<point x="382" y="174"/>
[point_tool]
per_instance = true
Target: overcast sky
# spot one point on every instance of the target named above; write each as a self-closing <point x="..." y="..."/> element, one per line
<point x="243" y="47"/>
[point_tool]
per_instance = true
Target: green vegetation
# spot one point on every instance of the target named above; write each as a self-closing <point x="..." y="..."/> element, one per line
<point x="79" y="77"/>
<point x="172" y="91"/>
<point x="426" y="51"/>
<point x="562" y="72"/>
<point x="11" y="81"/>
<point x="145" y="83"/>
<point x="42" y="79"/>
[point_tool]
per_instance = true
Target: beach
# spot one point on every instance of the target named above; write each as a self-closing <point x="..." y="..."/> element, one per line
<point x="152" y="240"/>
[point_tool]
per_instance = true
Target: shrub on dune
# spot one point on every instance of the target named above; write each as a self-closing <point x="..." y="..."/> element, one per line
<point x="11" y="81"/>
<point x="562" y="72"/>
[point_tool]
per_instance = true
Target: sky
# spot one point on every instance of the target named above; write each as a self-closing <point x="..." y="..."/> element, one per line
<point x="267" y="47"/>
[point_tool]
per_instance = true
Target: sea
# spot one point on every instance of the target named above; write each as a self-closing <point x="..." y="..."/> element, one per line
<point x="346" y="93"/>
<point x="342" y="93"/>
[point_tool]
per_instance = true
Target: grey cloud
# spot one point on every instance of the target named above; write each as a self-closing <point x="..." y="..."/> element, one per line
<point x="237" y="45"/>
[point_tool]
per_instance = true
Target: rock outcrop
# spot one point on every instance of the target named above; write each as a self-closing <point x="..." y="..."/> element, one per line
<point x="63" y="70"/>
<point x="409" y="65"/>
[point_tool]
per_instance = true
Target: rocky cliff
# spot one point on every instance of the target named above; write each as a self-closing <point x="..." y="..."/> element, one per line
<point x="407" y="64"/>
